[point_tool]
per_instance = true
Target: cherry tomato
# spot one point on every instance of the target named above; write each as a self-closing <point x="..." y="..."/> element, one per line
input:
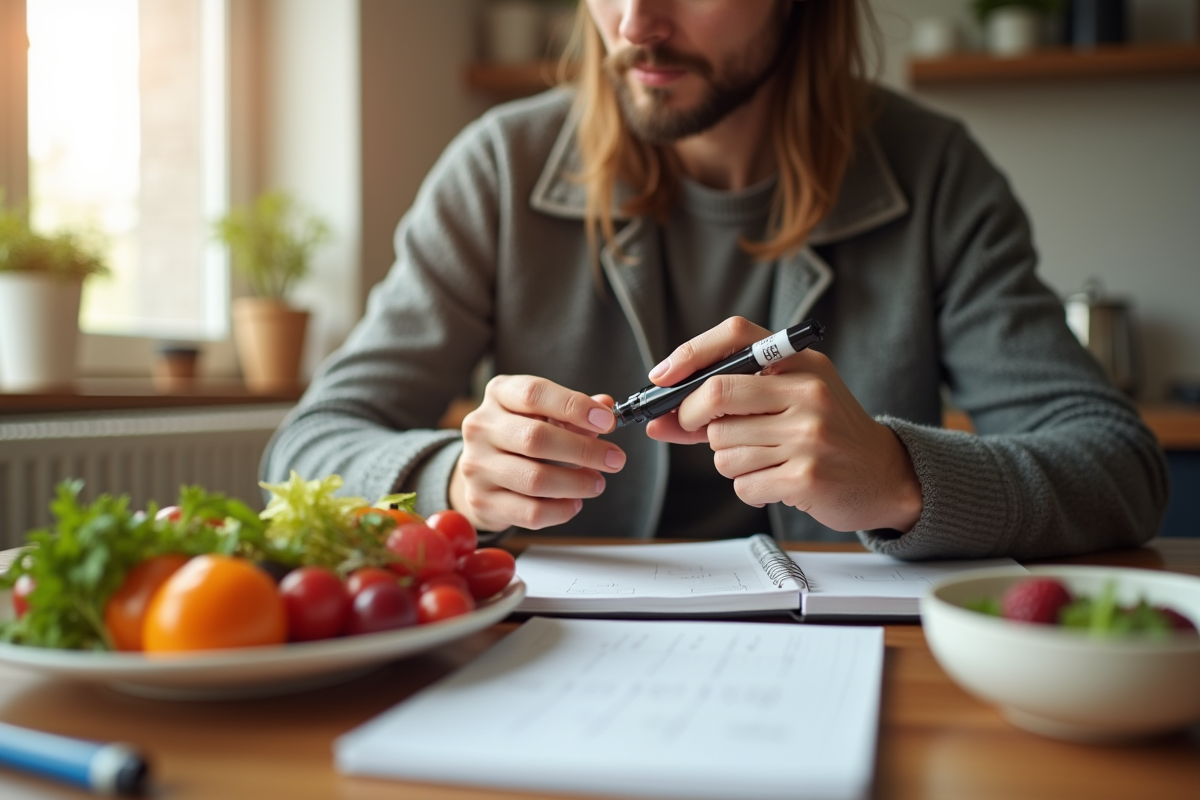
<point x="214" y="602"/>
<point x="317" y="603"/>
<point x="172" y="513"/>
<point x="423" y="551"/>
<point x="363" y="577"/>
<point x="487" y="570"/>
<point x="381" y="607"/>
<point x="445" y="579"/>
<point x="20" y="594"/>
<point x="443" y="602"/>
<point x="457" y="529"/>
<point x="125" y="611"/>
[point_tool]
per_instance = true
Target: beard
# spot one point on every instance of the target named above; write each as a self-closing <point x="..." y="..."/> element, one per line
<point x="738" y="79"/>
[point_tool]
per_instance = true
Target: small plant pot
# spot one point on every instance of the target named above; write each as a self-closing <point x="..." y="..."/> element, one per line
<point x="269" y="336"/>
<point x="39" y="331"/>
<point x="1012" y="31"/>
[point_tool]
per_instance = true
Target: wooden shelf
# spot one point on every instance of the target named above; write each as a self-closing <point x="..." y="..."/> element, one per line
<point x="508" y="81"/>
<point x="112" y="394"/>
<point x="1059" y="64"/>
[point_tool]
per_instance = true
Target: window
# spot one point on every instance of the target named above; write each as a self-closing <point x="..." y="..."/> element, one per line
<point x="128" y="135"/>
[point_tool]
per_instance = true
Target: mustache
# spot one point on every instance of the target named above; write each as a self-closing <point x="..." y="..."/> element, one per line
<point x="621" y="61"/>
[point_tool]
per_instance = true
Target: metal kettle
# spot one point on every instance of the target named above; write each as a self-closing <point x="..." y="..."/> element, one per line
<point x="1104" y="325"/>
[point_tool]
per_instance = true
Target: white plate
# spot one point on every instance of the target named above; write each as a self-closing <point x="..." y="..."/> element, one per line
<point x="253" y="671"/>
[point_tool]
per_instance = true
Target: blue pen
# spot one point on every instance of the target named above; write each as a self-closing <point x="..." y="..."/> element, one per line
<point x="113" y="769"/>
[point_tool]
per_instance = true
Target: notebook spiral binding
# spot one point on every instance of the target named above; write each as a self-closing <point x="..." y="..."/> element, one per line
<point x="775" y="562"/>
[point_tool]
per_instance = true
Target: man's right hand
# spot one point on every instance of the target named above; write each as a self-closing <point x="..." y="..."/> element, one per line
<point x="531" y="454"/>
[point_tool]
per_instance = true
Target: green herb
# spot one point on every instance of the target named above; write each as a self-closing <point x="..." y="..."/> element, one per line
<point x="1102" y="616"/>
<point x="308" y="523"/>
<point x="985" y="605"/>
<point x="67" y="253"/>
<point x="271" y="242"/>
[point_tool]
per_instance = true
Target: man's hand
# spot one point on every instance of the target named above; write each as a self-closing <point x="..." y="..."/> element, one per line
<point x="531" y="455"/>
<point x="792" y="434"/>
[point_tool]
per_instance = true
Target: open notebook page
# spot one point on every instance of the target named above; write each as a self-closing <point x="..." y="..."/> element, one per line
<point x="650" y="709"/>
<point x="870" y="584"/>
<point x="712" y="577"/>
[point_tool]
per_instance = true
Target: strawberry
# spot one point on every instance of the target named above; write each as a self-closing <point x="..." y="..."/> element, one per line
<point x="1035" y="600"/>
<point x="1177" y="621"/>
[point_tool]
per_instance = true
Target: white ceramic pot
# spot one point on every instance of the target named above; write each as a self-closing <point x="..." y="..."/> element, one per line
<point x="935" y="37"/>
<point x="1012" y="31"/>
<point x="39" y="331"/>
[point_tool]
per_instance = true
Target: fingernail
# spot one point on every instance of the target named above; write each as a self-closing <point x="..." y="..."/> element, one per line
<point x="614" y="459"/>
<point x="600" y="419"/>
<point x="660" y="370"/>
<point x="578" y="505"/>
<point x="599" y="485"/>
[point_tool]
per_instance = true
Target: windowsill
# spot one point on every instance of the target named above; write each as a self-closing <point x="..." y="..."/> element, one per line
<point x="110" y="394"/>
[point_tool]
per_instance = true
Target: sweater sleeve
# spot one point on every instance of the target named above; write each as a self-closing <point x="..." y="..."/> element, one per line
<point x="370" y="413"/>
<point x="1060" y="463"/>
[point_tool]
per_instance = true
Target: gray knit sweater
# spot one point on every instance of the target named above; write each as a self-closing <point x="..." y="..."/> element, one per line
<point x="923" y="275"/>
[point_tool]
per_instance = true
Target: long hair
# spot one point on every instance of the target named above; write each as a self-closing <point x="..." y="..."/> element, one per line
<point x="822" y="103"/>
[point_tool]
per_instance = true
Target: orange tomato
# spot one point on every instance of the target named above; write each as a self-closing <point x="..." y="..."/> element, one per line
<point x="125" y="611"/>
<point x="215" y="602"/>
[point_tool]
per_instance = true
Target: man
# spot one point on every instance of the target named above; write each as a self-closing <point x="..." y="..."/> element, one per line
<point x="722" y="171"/>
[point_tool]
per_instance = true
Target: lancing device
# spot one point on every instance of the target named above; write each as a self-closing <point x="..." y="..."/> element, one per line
<point x="654" y="401"/>
<point x="104" y="768"/>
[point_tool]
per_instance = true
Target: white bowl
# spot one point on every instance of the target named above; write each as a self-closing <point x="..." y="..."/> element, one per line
<point x="1063" y="682"/>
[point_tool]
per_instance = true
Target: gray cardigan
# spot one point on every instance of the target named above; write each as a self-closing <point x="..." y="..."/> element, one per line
<point x="923" y="275"/>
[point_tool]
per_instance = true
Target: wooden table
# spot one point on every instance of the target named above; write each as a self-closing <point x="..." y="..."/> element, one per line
<point x="935" y="740"/>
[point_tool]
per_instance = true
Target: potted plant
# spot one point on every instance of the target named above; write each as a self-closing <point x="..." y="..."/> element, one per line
<point x="271" y="243"/>
<point x="41" y="283"/>
<point x="1013" y="27"/>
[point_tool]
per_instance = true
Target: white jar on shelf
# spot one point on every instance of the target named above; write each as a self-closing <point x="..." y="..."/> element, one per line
<point x="935" y="37"/>
<point x="1012" y="31"/>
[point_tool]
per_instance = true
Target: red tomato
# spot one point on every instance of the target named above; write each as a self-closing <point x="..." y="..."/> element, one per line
<point x="457" y="529"/>
<point x="381" y="607"/>
<point x="487" y="570"/>
<point x="363" y="577"/>
<point x="317" y="603"/>
<point x="423" y="552"/>
<point x="443" y="602"/>
<point x="214" y="602"/>
<point x="172" y="513"/>
<point x="445" y="579"/>
<point x="125" y="611"/>
<point x="20" y="594"/>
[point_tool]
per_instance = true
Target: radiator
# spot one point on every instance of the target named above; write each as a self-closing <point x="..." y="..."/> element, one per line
<point x="146" y="455"/>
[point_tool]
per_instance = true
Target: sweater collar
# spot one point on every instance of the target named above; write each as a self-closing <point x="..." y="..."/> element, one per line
<point x="870" y="195"/>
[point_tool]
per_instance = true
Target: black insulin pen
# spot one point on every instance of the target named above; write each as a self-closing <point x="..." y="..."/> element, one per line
<point x="654" y="401"/>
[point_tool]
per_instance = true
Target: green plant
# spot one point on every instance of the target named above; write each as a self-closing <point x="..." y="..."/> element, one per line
<point x="271" y="242"/>
<point x="66" y="253"/>
<point x="983" y="8"/>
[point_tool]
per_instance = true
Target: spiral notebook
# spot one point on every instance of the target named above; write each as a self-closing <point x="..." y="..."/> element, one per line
<point x="688" y="709"/>
<point x="727" y="577"/>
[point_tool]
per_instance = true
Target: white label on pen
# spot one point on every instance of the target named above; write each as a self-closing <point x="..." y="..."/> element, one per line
<point x="773" y="348"/>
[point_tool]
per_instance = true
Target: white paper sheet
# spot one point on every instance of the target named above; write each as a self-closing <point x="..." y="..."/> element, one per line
<point x="644" y="708"/>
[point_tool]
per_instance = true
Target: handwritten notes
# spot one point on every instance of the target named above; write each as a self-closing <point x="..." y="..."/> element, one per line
<point x="664" y="709"/>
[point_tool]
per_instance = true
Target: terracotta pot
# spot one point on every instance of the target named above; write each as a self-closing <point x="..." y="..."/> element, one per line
<point x="39" y="331"/>
<point x="269" y="335"/>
